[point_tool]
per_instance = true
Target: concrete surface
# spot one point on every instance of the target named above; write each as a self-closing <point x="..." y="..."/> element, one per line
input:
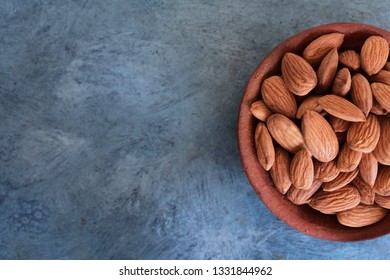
<point x="118" y="129"/>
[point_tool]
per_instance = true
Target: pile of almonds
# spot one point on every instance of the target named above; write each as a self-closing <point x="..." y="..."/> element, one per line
<point x="324" y="129"/>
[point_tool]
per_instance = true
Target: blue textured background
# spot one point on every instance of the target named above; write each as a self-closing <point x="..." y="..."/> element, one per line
<point x="118" y="129"/>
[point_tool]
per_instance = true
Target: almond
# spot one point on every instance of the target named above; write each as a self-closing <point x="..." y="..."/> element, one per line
<point x="299" y="196"/>
<point x="310" y="103"/>
<point x="341" y="108"/>
<point x="361" y="93"/>
<point x="382" y="183"/>
<point x="342" y="82"/>
<point x="374" y="54"/>
<point x="361" y="215"/>
<point x="350" y="59"/>
<point x="260" y="110"/>
<point x="265" y="147"/>
<point x="333" y="202"/>
<point x="327" y="70"/>
<point x="364" y="136"/>
<point x="285" y="132"/>
<point x="298" y="75"/>
<point x="387" y="66"/>
<point x="319" y="136"/>
<point x="367" y="194"/>
<point x="319" y="47"/>
<point x="325" y="171"/>
<point x="280" y="170"/>
<point x="277" y="97"/>
<point x="382" y="94"/>
<point x="377" y="109"/>
<point x="383" y="201"/>
<point x="302" y="170"/>
<point x="382" y="76"/>
<point x="343" y="179"/>
<point x="348" y="159"/>
<point x="341" y="137"/>
<point x="382" y="149"/>
<point x="368" y="168"/>
<point x="339" y="125"/>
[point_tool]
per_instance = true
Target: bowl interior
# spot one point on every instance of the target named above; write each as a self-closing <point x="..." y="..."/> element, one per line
<point x="302" y="218"/>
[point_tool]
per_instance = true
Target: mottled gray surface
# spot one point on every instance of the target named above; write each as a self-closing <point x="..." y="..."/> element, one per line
<point x="118" y="129"/>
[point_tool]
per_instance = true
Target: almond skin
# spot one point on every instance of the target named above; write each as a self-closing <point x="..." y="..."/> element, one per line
<point x="320" y="47"/>
<point x="387" y="66"/>
<point x="382" y="149"/>
<point x="299" y="196"/>
<point x="368" y="168"/>
<point x="348" y="159"/>
<point x="350" y="59"/>
<point x="265" y="148"/>
<point x="343" y="179"/>
<point x="361" y="215"/>
<point x="341" y="108"/>
<point x="374" y="54"/>
<point x="302" y="170"/>
<point x="377" y="109"/>
<point x="327" y="70"/>
<point x="325" y="171"/>
<point x="319" y="136"/>
<point x="339" y="125"/>
<point x="285" y="132"/>
<point x="310" y="103"/>
<point x="260" y="110"/>
<point x="361" y="93"/>
<point x="382" y="183"/>
<point x="367" y="194"/>
<point x="277" y="97"/>
<point x="382" y="76"/>
<point x="298" y="75"/>
<point x="339" y="200"/>
<point x="342" y="82"/>
<point x="383" y="201"/>
<point x="280" y="170"/>
<point x="364" y="136"/>
<point x="381" y="93"/>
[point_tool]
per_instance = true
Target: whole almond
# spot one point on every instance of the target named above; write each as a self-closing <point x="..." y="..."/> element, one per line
<point x="367" y="194"/>
<point x="299" y="196"/>
<point x="382" y="76"/>
<point x="350" y="59"/>
<point x="342" y="82"/>
<point x="374" y="54"/>
<point x="361" y="215"/>
<point x="319" y="136"/>
<point x="302" y="170"/>
<point x="260" y="110"/>
<point x="280" y="170"/>
<point x="298" y="75"/>
<point x="377" y="109"/>
<point x="343" y="179"/>
<point x="327" y="70"/>
<point x="368" y="168"/>
<point x="348" y="159"/>
<point x="341" y="108"/>
<point x="338" y="124"/>
<point x="336" y="201"/>
<point x="361" y="93"/>
<point x="381" y="93"/>
<point x="265" y="148"/>
<point x="310" y="103"/>
<point x="382" y="183"/>
<point x="319" y="47"/>
<point x="383" y="201"/>
<point x="364" y="136"/>
<point x="285" y="132"/>
<point x="387" y="66"/>
<point x="382" y="149"/>
<point x="277" y="97"/>
<point x="325" y="171"/>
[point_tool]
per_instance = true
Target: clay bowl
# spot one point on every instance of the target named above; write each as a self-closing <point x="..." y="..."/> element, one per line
<point x="303" y="218"/>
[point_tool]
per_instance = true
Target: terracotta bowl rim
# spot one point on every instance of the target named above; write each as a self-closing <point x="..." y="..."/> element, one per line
<point x="298" y="217"/>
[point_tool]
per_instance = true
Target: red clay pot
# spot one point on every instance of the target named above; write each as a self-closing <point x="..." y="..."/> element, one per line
<point x="303" y="218"/>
